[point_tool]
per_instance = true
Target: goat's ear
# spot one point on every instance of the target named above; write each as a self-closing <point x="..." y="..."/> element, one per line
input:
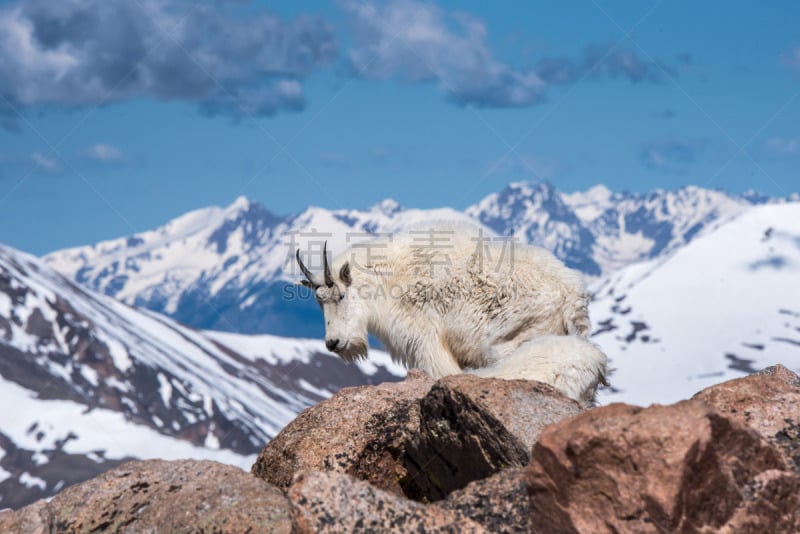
<point x="344" y="274"/>
<point x="305" y="283"/>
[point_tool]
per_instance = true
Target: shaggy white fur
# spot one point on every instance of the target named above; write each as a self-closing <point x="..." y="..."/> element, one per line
<point x="571" y="364"/>
<point x="450" y="300"/>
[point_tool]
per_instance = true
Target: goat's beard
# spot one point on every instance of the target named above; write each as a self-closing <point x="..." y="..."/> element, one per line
<point x="355" y="350"/>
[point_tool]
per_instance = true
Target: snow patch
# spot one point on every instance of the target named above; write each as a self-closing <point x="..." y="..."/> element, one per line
<point x="26" y="479"/>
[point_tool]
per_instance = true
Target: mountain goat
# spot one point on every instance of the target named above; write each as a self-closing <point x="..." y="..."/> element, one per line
<point x="451" y="301"/>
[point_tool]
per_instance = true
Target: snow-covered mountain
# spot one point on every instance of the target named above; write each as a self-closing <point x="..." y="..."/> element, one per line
<point x="726" y="304"/>
<point x="598" y="231"/>
<point x="87" y="381"/>
<point x="228" y="268"/>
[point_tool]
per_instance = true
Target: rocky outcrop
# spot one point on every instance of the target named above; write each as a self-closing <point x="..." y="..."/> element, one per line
<point x="714" y="463"/>
<point x="334" y="502"/>
<point x="160" y="496"/>
<point x="472" y="428"/>
<point x="360" y="431"/>
<point x="768" y="402"/>
<point x="417" y="438"/>
<point x="455" y="456"/>
<point x="500" y="503"/>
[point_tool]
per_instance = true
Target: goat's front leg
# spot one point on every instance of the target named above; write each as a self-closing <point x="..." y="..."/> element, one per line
<point x="435" y="359"/>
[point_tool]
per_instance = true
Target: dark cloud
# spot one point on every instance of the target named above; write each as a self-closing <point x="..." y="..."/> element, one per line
<point x="672" y="155"/>
<point x="87" y="52"/>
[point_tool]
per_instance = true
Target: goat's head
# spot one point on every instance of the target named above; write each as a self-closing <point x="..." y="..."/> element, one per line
<point x="345" y="313"/>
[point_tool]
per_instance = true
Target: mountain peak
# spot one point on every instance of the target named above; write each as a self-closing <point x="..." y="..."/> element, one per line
<point x="388" y="206"/>
<point x="242" y="203"/>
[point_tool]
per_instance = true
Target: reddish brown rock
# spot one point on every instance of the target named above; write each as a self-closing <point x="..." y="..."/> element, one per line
<point x="473" y="427"/>
<point x="361" y="431"/>
<point x="500" y="503"/>
<point x="335" y="502"/>
<point x="772" y="504"/>
<point x="768" y="402"/>
<point x="160" y="496"/>
<point x="524" y="407"/>
<point x="417" y="438"/>
<point x="33" y="519"/>
<point x="621" y="468"/>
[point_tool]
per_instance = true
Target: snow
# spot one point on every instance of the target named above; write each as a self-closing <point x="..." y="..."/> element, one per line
<point x="162" y="263"/>
<point x="4" y="475"/>
<point x="282" y="350"/>
<point x="90" y="375"/>
<point x="324" y="393"/>
<point x="164" y="389"/>
<point x="589" y="204"/>
<point x="97" y="430"/>
<point x="706" y="306"/>
<point x="5" y="305"/>
<point x="26" y="479"/>
<point x="119" y="355"/>
<point x="195" y="378"/>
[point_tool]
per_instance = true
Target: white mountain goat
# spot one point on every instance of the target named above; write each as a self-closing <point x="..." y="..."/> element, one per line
<point x="450" y="301"/>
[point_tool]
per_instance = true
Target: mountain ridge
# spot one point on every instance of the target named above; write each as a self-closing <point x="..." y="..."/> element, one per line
<point x="228" y="268"/>
<point x="89" y="381"/>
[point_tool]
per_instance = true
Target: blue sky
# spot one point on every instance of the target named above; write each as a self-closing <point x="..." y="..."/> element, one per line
<point x="116" y="116"/>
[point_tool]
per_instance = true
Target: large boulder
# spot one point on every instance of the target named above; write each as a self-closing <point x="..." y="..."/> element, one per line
<point x="768" y="402"/>
<point x="160" y="496"/>
<point x="684" y="467"/>
<point x="500" y="503"/>
<point x="417" y="438"/>
<point x="474" y="427"/>
<point x="334" y="502"/>
<point x="360" y="431"/>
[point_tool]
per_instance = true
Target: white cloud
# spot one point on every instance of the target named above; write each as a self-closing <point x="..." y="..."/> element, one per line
<point x="539" y="167"/>
<point x="105" y="153"/>
<point x="45" y="163"/>
<point x="781" y="147"/>
<point x="418" y="42"/>
<point x="792" y="58"/>
<point x="672" y="155"/>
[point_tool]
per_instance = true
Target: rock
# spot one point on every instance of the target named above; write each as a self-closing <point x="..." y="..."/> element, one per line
<point x="417" y="438"/>
<point x="334" y="502"/>
<point x="500" y="503"/>
<point x="33" y="519"/>
<point x="361" y="431"/>
<point x="768" y="402"/>
<point x="524" y="407"/>
<point x="160" y="496"/>
<point x="473" y="427"/>
<point x="772" y="504"/>
<point x="683" y="467"/>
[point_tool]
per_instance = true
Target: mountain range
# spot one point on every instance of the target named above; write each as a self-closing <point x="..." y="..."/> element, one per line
<point x="228" y="268"/>
<point x="145" y="346"/>
<point x="87" y="381"/>
<point x="725" y="305"/>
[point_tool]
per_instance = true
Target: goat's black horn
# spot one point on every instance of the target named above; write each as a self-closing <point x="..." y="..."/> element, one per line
<point x="303" y="267"/>
<point x="328" y="276"/>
